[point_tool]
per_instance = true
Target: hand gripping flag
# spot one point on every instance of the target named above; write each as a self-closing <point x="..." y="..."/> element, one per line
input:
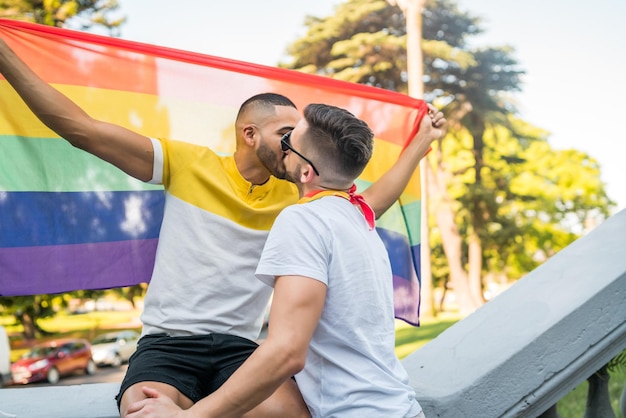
<point x="70" y="221"/>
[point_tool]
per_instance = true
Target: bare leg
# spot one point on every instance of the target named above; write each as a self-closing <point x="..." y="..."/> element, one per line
<point x="134" y="394"/>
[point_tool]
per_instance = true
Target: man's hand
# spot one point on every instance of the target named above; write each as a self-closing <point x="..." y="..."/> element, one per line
<point x="437" y="119"/>
<point x="431" y="126"/>
<point x="386" y="191"/>
<point x="156" y="405"/>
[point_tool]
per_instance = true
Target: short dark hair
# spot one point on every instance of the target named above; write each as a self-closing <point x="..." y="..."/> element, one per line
<point x="340" y="138"/>
<point x="266" y="99"/>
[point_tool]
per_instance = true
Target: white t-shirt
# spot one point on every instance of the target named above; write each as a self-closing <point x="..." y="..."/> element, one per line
<point x="351" y="368"/>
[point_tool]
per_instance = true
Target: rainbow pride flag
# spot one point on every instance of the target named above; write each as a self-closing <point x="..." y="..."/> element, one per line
<point x="70" y="221"/>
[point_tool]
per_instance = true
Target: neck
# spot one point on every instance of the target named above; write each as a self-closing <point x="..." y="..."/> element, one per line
<point x="341" y="188"/>
<point x="304" y="189"/>
<point x="251" y="172"/>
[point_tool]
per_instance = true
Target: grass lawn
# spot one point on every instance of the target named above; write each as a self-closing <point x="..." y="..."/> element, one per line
<point x="408" y="339"/>
<point x="573" y="404"/>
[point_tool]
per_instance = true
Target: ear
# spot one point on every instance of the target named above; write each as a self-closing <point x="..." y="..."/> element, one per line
<point x="306" y="174"/>
<point x="248" y="134"/>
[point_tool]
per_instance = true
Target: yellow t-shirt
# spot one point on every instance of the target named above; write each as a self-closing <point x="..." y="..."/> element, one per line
<point x="214" y="228"/>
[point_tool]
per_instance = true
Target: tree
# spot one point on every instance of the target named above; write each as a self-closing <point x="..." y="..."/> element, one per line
<point x="130" y="293"/>
<point x="484" y="94"/>
<point x="413" y="10"/>
<point x="74" y="14"/>
<point x="27" y="310"/>
<point x="533" y="200"/>
<point x="484" y="226"/>
<point x="337" y="46"/>
<point x="364" y="41"/>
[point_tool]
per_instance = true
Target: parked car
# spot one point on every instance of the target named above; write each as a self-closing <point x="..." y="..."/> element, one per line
<point x="114" y="348"/>
<point x="52" y="360"/>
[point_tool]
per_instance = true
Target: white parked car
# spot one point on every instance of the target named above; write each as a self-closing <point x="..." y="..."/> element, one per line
<point x="114" y="348"/>
<point x="5" y="358"/>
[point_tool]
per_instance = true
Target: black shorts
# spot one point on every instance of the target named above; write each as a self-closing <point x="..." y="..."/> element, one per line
<point x="195" y="365"/>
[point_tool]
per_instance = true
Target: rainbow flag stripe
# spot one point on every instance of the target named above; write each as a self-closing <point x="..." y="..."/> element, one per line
<point x="71" y="221"/>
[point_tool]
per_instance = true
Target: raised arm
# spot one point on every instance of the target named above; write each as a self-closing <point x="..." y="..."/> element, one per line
<point x="127" y="150"/>
<point x="384" y="192"/>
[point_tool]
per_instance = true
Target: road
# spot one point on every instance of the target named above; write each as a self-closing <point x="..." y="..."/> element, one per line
<point x="102" y="375"/>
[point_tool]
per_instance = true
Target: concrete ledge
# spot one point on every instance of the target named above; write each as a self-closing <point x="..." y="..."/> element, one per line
<point x="523" y="351"/>
<point x="95" y="400"/>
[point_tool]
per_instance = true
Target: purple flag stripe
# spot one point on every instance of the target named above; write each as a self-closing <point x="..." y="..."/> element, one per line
<point x="405" y="292"/>
<point x="63" y="268"/>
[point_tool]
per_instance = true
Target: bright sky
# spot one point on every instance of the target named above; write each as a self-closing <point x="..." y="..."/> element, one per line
<point x="573" y="53"/>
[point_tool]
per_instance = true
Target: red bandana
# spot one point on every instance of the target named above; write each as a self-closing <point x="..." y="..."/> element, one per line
<point x="355" y="199"/>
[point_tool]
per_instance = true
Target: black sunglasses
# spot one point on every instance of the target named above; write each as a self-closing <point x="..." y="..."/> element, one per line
<point x="285" y="145"/>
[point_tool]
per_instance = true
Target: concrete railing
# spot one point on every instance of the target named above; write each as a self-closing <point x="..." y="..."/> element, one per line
<point x="520" y="353"/>
<point x="95" y="400"/>
<point x="514" y="357"/>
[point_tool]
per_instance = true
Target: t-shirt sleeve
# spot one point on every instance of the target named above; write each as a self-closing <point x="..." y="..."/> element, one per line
<point x="157" y="165"/>
<point x="297" y="245"/>
<point x="172" y="157"/>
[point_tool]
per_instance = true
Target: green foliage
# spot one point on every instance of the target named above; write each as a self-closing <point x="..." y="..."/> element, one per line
<point x="617" y="363"/>
<point x="32" y="314"/>
<point x="534" y="200"/>
<point x="43" y="304"/>
<point x="362" y="42"/>
<point x="521" y="199"/>
<point x="74" y="14"/>
<point x="27" y="310"/>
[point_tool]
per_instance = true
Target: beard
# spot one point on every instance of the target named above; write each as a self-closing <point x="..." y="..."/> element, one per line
<point x="293" y="177"/>
<point x="272" y="162"/>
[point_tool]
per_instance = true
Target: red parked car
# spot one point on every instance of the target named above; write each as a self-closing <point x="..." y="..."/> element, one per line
<point x="53" y="359"/>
